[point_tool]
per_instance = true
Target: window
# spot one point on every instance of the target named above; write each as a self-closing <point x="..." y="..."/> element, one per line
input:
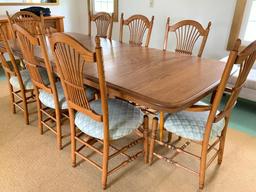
<point x="244" y="23"/>
<point x="104" y="5"/>
<point x="248" y="30"/>
<point x="109" y="6"/>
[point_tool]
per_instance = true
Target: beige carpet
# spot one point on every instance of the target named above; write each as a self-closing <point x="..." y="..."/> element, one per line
<point x="30" y="162"/>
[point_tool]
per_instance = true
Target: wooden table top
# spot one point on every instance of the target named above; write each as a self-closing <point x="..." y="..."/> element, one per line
<point x="164" y="81"/>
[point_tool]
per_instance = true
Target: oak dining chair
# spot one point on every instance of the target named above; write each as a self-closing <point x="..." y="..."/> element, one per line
<point x="103" y="22"/>
<point x="138" y="25"/>
<point x="187" y="33"/>
<point x="49" y="93"/>
<point x="102" y="121"/>
<point x="19" y="82"/>
<point x="29" y="20"/>
<point x="203" y="123"/>
<point x="51" y="102"/>
<point x="25" y="19"/>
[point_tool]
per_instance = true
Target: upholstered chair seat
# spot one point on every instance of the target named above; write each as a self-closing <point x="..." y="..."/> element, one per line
<point x="124" y="118"/>
<point x="191" y="125"/>
<point x="27" y="80"/>
<point x="48" y="99"/>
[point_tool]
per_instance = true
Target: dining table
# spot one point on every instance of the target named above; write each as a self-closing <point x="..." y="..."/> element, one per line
<point x="161" y="80"/>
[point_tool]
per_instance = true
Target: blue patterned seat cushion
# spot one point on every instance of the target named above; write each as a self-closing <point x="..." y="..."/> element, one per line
<point x="48" y="99"/>
<point x="27" y="80"/>
<point x="191" y="125"/>
<point x="124" y="118"/>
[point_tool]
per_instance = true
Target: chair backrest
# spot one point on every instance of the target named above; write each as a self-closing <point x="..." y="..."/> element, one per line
<point x="103" y="22"/>
<point x="187" y="34"/>
<point x="71" y="58"/>
<point x="138" y="25"/>
<point x="246" y="59"/>
<point x="26" y="20"/>
<point x="11" y="70"/>
<point x="33" y="45"/>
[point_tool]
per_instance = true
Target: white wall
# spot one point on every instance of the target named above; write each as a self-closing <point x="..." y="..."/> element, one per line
<point x="220" y="12"/>
<point x="67" y="8"/>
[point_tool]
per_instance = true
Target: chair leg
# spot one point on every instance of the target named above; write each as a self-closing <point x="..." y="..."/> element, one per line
<point x="72" y="137"/>
<point x="58" y="128"/>
<point x="105" y="164"/>
<point x="203" y="165"/>
<point x="161" y="126"/>
<point x="25" y="106"/>
<point x="39" y="112"/>
<point x="12" y="99"/>
<point x="222" y="142"/>
<point x="13" y="106"/>
<point x="145" y="139"/>
<point x="153" y="137"/>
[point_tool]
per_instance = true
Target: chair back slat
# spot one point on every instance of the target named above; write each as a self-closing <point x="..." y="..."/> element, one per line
<point x="187" y="33"/>
<point x="103" y="22"/>
<point x="29" y="44"/>
<point x="12" y="69"/>
<point x="71" y="58"/>
<point x="138" y="25"/>
<point x="7" y="68"/>
<point x="73" y="62"/>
